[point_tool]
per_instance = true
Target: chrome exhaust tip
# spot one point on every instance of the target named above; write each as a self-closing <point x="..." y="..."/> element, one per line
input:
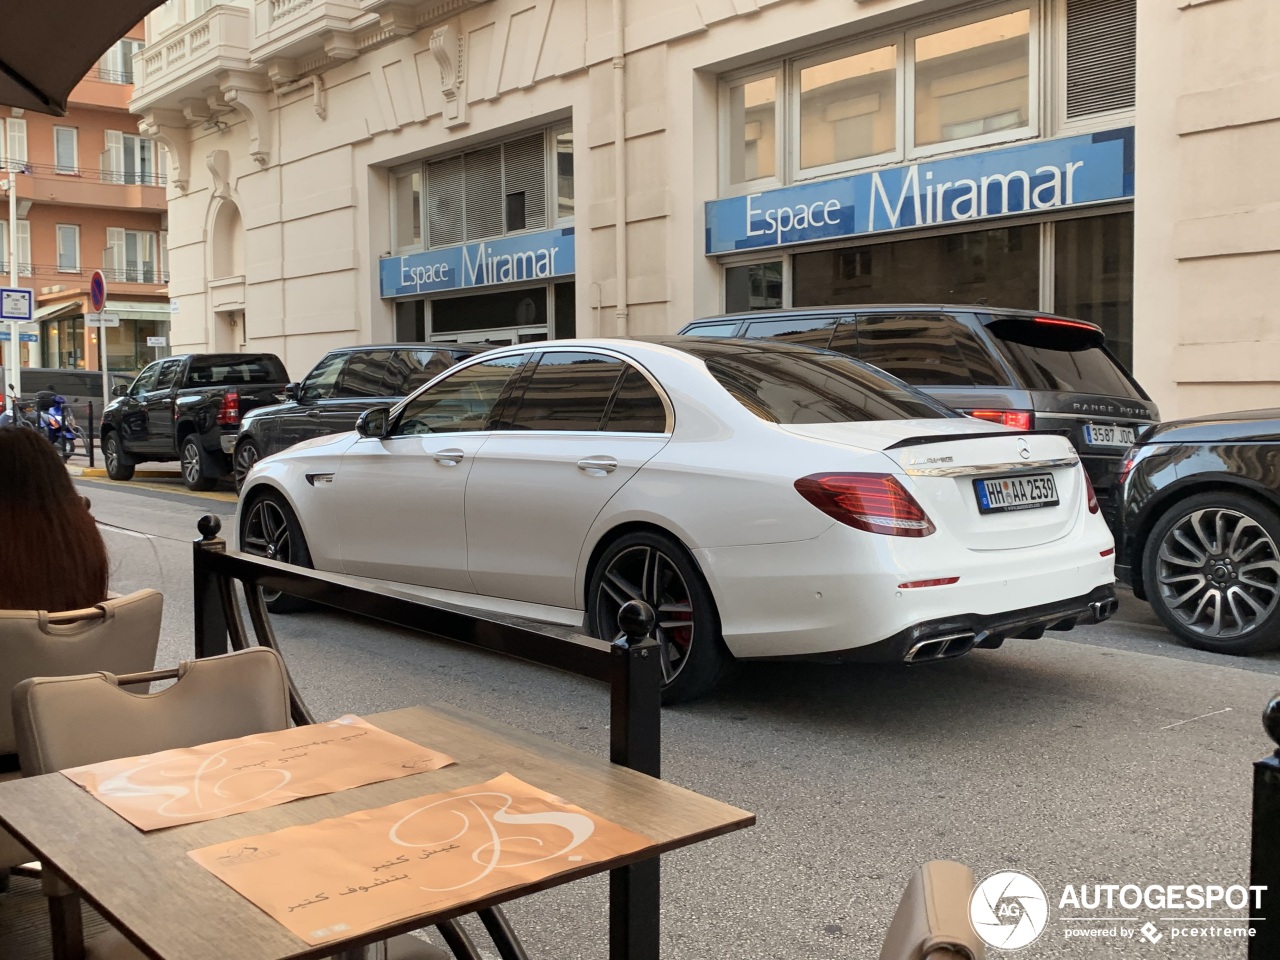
<point x="1103" y="609"/>
<point x="941" y="648"/>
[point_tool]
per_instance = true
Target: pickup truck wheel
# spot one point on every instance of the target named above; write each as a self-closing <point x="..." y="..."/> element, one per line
<point x="270" y="529"/>
<point x="117" y="469"/>
<point x="193" y="474"/>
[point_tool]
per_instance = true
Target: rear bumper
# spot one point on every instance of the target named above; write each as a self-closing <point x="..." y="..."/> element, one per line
<point x="953" y="636"/>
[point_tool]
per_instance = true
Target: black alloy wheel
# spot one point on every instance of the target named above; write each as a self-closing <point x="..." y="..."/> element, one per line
<point x="247" y="454"/>
<point x="270" y="530"/>
<point x="117" y="469"/>
<point x="656" y="569"/>
<point x="1212" y="573"/>
<point x="193" y="473"/>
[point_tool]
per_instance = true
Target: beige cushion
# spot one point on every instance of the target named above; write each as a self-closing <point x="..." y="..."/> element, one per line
<point x="68" y="721"/>
<point x="118" y="635"/>
<point x="932" y="919"/>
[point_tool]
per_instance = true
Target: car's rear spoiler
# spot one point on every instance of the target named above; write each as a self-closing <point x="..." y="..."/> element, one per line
<point x="947" y="438"/>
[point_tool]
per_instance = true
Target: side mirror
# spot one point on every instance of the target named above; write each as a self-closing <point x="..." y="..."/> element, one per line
<point x="375" y="423"/>
<point x="120" y="390"/>
<point x="291" y="392"/>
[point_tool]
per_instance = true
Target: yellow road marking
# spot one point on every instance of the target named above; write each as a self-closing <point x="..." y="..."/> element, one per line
<point x="172" y="486"/>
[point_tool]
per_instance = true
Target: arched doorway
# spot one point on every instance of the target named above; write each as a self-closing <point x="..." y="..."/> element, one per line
<point x="226" y="278"/>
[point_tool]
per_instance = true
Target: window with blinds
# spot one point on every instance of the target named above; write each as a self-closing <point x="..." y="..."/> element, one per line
<point x="488" y="192"/>
<point x="1101" y="51"/>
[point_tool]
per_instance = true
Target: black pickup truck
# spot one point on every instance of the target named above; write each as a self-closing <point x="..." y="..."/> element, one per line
<point x="188" y="408"/>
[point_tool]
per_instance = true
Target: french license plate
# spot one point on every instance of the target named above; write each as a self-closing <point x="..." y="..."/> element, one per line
<point x="1016" y="493"/>
<point x="1108" y="435"/>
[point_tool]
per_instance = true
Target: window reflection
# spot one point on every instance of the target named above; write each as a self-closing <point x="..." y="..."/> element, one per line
<point x="848" y="107"/>
<point x="752" y="129"/>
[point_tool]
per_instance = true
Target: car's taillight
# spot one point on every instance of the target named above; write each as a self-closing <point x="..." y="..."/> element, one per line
<point x="1088" y="490"/>
<point x="875" y="502"/>
<point x="1018" y="419"/>
<point x="229" y="408"/>
<point x="1126" y="468"/>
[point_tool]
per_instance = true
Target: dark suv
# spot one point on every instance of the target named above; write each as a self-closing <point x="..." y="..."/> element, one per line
<point x="338" y="389"/>
<point x="1022" y="369"/>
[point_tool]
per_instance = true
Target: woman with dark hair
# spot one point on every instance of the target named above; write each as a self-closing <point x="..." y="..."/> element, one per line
<point x="51" y="554"/>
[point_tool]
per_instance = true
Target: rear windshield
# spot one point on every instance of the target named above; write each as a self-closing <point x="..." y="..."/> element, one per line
<point x="1057" y="356"/>
<point x="810" y="386"/>
<point x="234" y="370"/>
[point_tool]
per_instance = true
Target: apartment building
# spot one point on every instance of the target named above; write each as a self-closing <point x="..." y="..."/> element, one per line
<point x="487" y="170"/>
<point x="90" y="195"/>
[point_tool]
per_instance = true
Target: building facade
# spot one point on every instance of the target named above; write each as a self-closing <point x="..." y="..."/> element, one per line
<point x="456" y="170"/>
<point x="90" y="195"/>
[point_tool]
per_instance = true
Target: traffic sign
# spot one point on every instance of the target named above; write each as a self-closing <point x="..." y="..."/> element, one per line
<point x="17" y="304"/>
<point x="97" y="291"/>
<point x="102" y="319"/>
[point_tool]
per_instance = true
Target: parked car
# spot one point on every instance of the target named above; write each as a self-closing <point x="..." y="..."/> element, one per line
<point x="766" y="500"/>
<point x="1199" y="531"/>
<point x="80" y="387"/>
<point x="1023" y="369"/>
<point x="188" y="408"/>
<point x="338" y="389"/>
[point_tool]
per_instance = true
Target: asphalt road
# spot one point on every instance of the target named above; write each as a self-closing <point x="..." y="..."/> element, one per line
<point x="1104" y="755"/>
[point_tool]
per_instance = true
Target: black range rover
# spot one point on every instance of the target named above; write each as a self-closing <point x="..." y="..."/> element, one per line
<point x="1027" y="370"/>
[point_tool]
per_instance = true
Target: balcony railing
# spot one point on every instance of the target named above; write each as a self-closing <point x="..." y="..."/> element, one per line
<point x="216" y="40"/>
<point x="109" y="76"/>
<point x="135" y="273"/>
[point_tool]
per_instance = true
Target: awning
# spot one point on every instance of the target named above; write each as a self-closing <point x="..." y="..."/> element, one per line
<point x="140" y="311"/>
<point x="46" y="48"/>
<point x="56" y="311"/>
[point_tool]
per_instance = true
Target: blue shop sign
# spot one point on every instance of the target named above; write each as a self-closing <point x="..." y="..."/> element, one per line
<point x="518" y="259"/>
<point x="1045" y="175"/>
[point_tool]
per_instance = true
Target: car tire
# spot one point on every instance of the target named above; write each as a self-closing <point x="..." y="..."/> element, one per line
<point x="654" y="567"/>
<point x="193" y="472"/>
<point x="269" y="528"/>
<point x="1211" y="569"/>
<point x="113" y="455"/>
<point x="246" y="455"/>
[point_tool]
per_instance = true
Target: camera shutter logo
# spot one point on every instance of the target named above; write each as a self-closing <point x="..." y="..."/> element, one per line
<point x="1008" y="910"/>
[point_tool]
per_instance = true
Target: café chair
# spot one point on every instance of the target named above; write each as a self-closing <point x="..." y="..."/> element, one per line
<point x="119" y="635"/>
<point x="932" y="919"/>
<point x="71" y="721"/>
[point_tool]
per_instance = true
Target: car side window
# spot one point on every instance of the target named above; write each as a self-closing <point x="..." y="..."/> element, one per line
<point x="146" y="380"/>
<point x="168" y="374"/>
<point x="808" y="331"/>
<point x="365" y="374"/>
<point x="727" y="329"/>
<point x="934" y="350"/>
<point x="412" y="369"/>
<point x="637" y="407"/>
<point x="461" y="402"/>
<point x="568" y="391"/>
<point x="320" y="382"/>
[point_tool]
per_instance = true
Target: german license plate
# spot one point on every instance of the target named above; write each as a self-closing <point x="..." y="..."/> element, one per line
<point x="1108" y="435"/>
<point x="1016" y="493"/>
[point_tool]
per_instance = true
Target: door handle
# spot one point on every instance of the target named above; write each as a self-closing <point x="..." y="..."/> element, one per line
<point x="447" y="458"/>
<point x="313" y="414"/>
<point x="597" y="466"/>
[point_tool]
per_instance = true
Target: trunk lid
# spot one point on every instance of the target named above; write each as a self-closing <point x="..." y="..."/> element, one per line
<point x="944" y="460"/>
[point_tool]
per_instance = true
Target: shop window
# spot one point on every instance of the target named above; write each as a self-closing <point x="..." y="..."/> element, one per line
<point x="1093" y="276"/>
<point x="564" y="173"/>
<point x="411" y="326"/>
<point x="752" y="108"/>
<point x="848" y="107"/>
<point x="636" y="406"/>
<point x="973" y="80"/>
<point x="407" y="209"/>
<point x="565" y="310"/>
<point x="568" y="391"/>
<point x="753" y="286"/>
<point x="1102" y="46"/>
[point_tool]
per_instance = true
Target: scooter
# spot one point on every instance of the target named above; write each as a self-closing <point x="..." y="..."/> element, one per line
<point x="59" y="426"/>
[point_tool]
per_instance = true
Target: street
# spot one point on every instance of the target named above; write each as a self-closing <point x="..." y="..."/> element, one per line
<point x="1108" y="755"/>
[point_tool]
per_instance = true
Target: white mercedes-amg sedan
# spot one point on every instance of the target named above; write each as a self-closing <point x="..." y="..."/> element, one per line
<point x="767" y="500"/>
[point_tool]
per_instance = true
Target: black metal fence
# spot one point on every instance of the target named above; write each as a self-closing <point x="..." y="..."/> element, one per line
<point x="631" y="668"/>
<point x="1264" y="857"/>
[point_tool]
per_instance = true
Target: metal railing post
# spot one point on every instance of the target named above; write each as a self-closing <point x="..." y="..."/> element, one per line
<point x="1264" y="854"/>
<point x="90" y="432"/>
<point x="635" y="741"/>
<point x="211" y="627"/>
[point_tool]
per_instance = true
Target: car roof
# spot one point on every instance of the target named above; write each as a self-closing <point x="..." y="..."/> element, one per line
<point x="975" y="308"/>
<point x="452" y="347"/>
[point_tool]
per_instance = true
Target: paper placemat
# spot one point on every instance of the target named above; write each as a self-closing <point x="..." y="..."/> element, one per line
<point x="349" y="875"/>
<point x="214" y="780"/>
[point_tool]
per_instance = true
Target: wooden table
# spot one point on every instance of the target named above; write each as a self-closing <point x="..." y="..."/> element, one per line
<point x="173" y="909"/>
